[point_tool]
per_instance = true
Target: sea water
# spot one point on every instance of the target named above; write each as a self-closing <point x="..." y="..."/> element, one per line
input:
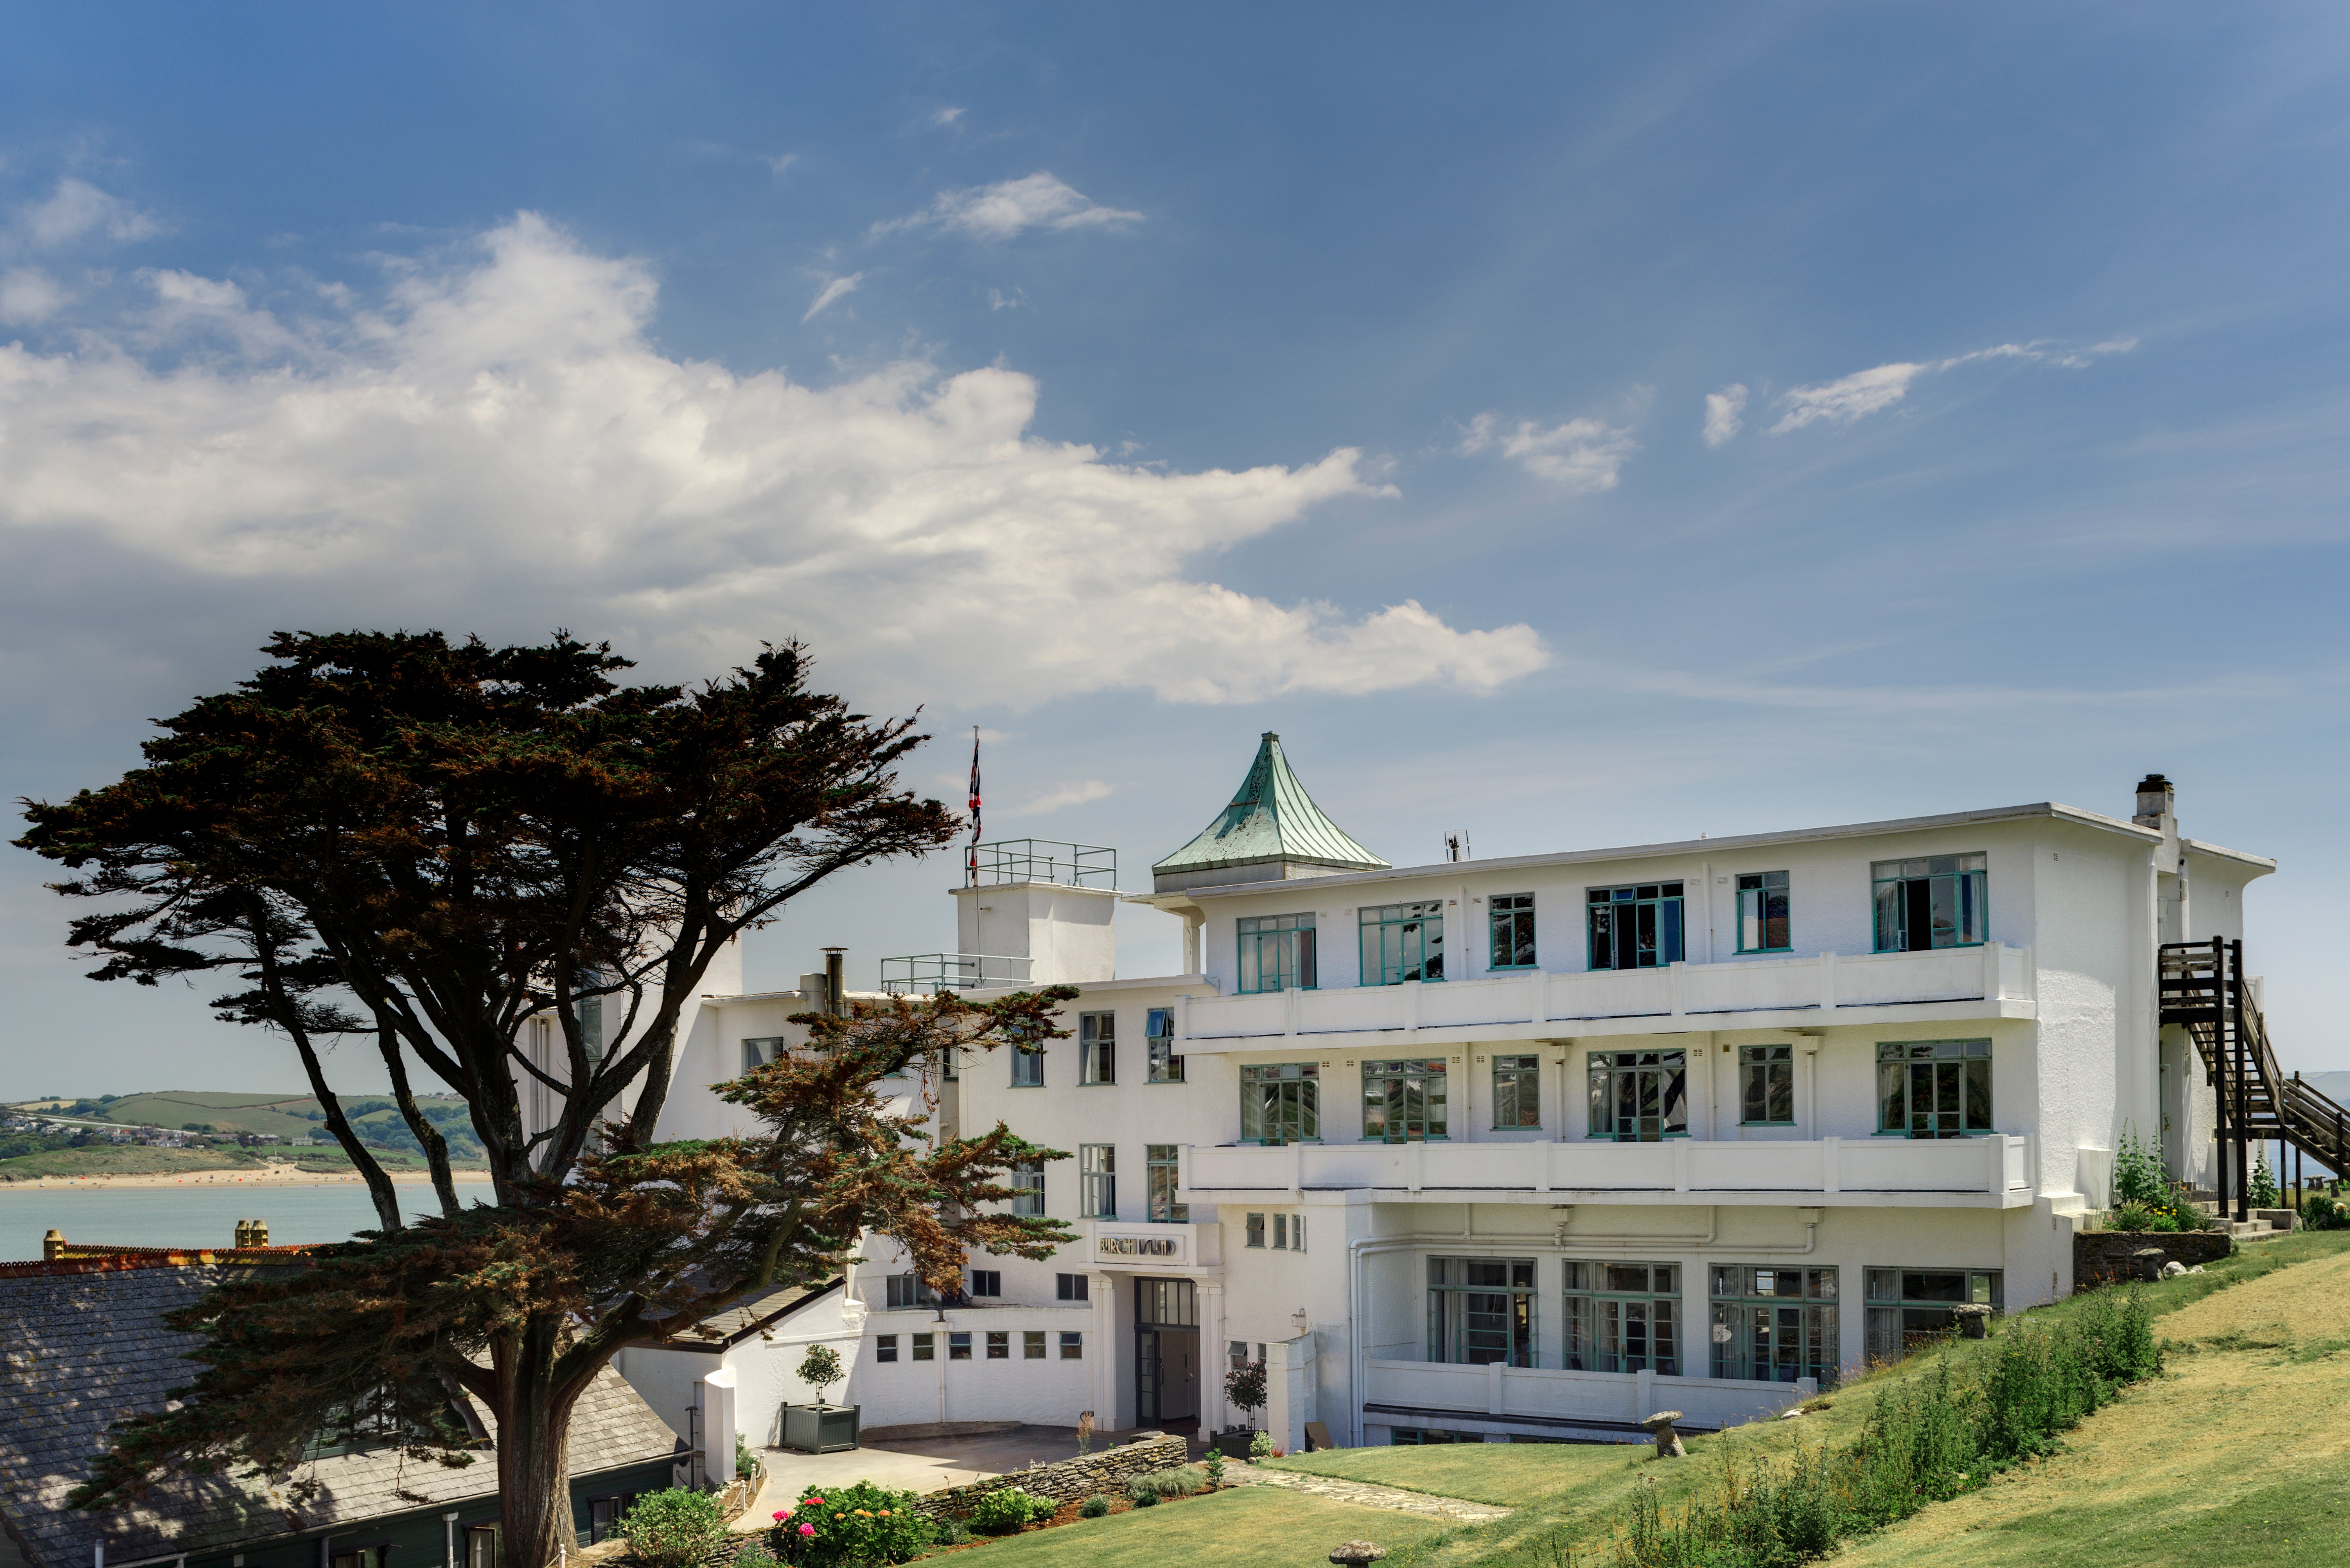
<point x="200" y="1216"/>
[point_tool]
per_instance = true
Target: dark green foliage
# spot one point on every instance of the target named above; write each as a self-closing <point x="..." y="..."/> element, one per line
<point x="1006" y="1509"/>
<point x="1929" y="1438"/>
<point x="674" y="1528"/>
<point x="2138" y="1176"/>
<point x="2321" y="1213"/>
<point x="1244" y="1386"/>
<point x="1093" y="1507"/>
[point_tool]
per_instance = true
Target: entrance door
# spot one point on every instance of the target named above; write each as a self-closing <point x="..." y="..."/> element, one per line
<point x="1166" y="1350"/>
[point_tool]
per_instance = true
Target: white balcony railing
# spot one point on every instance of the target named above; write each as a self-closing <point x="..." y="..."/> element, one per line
<point x="1989" y="982"/>
<point x="1397" y="1390"/>
<point x="1993" y="1171"/>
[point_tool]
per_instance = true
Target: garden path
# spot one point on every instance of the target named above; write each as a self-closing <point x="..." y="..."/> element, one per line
<point x="1452" y="1510"/>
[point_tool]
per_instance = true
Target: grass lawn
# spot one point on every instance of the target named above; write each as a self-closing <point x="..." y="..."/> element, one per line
<point x="127" y="1159"/>
<point x="1242" y="1527"/>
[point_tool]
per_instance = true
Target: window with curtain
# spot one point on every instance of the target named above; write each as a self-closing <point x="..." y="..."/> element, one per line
<point x="1639" y="1096"/>
<point x="1636" y="926"/>
<point x="1097" y="1178"/>
<point x="1276" y="952"/>
<point x="1933" y="1089"/>
<point x="1028" y="1188"/>
<point x="1481" y="1311"/>
<point x="1097" y="1047"/>
<point x="1402" y="941"/>
<point x="1762" y="912"/>
<point x="1932" y="902"/>
<point x="1623" y="1317"/>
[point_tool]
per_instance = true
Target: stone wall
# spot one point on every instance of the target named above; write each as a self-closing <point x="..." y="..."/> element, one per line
<point x="2103" y="1257"/>
<point x="1070" y="1480"/>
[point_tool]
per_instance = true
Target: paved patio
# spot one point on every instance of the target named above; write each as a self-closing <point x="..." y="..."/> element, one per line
<point x="915" y="1464"/>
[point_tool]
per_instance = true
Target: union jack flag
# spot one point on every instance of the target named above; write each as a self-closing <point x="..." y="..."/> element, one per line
<point x="970" y="857"/>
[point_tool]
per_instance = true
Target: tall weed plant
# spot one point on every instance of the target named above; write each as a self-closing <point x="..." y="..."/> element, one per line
<point x="1929" y="1437"/>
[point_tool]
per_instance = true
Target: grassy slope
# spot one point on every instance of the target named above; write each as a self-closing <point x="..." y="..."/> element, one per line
<point x="126" y="1161"/>
<point x="1573" y="1494"/>
<point x="1242" y="1527"/>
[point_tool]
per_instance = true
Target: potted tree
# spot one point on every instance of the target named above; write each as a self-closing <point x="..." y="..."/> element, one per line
<point x="820" y="1427"/>
<point x="1244" y="1386"/>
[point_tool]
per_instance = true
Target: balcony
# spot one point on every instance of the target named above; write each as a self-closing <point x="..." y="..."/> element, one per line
<point x="1598" y="1404"/>
<point x="1989" y="1172"/>
<point x="1954" y="983"/>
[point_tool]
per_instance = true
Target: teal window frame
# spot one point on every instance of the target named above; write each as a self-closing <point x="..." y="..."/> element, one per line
<point x="1406" y="1100"/>
<point x="1763" y="923"/>
<point x="1401" y="943"/>
<point x="1161" y="1175"/>
<point x="1766" y="1085"/>
<point x="1481" y="1311"/>
<point x="1638" y="1096"/>
<point x="1097" y="1048"/>
<point x="1622" y="1316"/>
<point x="1097" y="1181"/>
<point x="1517" y="1093"/>
<point x="1949" y="896"/>
<point x="1954" y="1079"/>
<point x="1640" y="925"/>
<point x="1907" y="1308"/>
<point x="1281" y="1102"/>
<point x="1158" y="1047"/>
<point x="1772" y="1324"/>
<point x="1027" y="1066"/>
<point x="758" y="1050"/>
<point x="1275" y="952"/>
<point x="1509" y="931"/>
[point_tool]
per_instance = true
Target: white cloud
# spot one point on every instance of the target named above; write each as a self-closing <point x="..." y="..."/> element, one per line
<point x="28" y="294"/>
<point x="999" y="300"/>
<point x="1867" y="392"/>
<point x="1581" y="454"/>
<point x="79" y="211"/>
<point x="777" y="162"/>
<point x="1080" y="793"/>
<point x="834" y="288"/>
<point x="946" y="117"/>
<point x="497" y="444"/>
<point x="1721" y="411"/>
<point x="1012" y="207"/>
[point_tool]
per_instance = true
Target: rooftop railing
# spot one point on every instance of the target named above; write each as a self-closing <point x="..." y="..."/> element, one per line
<point x="919" y="973"/>
<point x="1040" y="860"/>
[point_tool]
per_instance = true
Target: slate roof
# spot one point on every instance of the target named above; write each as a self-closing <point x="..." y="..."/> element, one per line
<point x="80" y="1351"/>
<point x="1271" y="818"/>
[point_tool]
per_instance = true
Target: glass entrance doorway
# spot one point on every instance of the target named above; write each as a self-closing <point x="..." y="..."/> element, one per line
<point x="1166" y="1351"/>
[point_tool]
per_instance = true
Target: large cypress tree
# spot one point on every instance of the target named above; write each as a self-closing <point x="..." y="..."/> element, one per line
<point x="433" y="845"/>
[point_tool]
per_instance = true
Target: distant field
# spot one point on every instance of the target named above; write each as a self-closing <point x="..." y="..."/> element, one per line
<point x="289" y="1118"/>
<point x="126" y="1161"/>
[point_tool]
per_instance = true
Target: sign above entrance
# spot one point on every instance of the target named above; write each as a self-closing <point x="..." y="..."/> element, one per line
<point x="1157" y="1246"/>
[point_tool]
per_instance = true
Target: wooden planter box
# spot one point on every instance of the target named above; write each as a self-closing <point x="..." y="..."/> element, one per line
<point x="820" y="1429"/>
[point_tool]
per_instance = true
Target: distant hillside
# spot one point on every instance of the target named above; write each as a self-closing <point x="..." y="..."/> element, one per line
<point x="291" y="1118"/>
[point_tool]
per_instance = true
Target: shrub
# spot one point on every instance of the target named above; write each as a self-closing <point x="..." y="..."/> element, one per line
<point x="2262" y="1190"/>
<point x="745" y="1461"/>
<point x="756" y="1555"/>
<point x="2138" y="1217"/>
<point x="2139" y="1177"/>
<point x="953" y="1533"/>
<point x="1145" y="1498"/>
<point x="860" y="1523"/>
<point x="674" y="1528"/>
<point x="1006" y="1509"/>
<point x="1215" y="1468"/>
<point x="1261" y="1446"/>
<point x="1182" y="1480"/>
<point x="2320" y="1212"/>
<point x="1093" y="1507"/>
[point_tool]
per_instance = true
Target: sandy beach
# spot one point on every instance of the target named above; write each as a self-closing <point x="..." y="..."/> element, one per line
<point x="274" y="1173"/>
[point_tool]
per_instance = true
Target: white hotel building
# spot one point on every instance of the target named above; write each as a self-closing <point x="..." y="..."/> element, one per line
<point x="1530" y="1148"/>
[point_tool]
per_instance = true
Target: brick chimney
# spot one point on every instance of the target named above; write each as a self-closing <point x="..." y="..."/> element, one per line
<point x="2156" y="800"/>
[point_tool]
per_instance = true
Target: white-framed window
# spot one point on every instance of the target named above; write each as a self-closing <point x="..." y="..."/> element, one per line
<point x="1097" y="1047"/>
<point x="761" y="1049"/>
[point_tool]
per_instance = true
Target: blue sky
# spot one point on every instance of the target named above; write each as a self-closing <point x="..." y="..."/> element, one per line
<point x="1573" y="426"/>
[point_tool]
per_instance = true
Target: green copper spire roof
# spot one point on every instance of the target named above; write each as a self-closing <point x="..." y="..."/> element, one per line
<point x="1271" y="823"/>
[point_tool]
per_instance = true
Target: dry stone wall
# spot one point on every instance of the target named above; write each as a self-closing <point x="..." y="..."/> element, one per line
<point x="1070" y="1480"/>
<point x="2105" y="1257"/>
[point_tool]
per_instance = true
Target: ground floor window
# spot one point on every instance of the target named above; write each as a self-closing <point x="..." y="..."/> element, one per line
<point x="1031" y="1344"/>
<point x="481" y="1547"/>
<point x="958" y="1347"/>
<point x="885" y="1347"/>
<point x="1481" y="1311"/>
<point x="1072" y="1346"/>
<point x="604" y="1516"/>
<point x="1623" y="1317"/>
<point x="925" y="1346"/>
<point x="1774" y="1325"/>
<point x="1908" y="1308"/>
<point x="1281" y="1102"/>
<point x="1639" y="1096"/>
<point x="1406" y="1436"/>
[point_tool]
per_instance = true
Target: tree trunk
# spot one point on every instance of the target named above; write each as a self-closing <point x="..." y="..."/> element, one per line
<point x="535" y="1451"/>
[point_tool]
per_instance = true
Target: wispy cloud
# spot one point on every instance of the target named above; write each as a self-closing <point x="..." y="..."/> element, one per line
<point x="1083" y="793"/>
<point x="777" y="162"/>
<point x="999" y="300"/>
<point x="1012" y="207"/>
<point x="833" y="289"/>
<point x="1722" y="409"/>
<point x="79" y="211"/>
<point x="28" y="294"/>
<point x="951" y="115"/>
<point x="1583" y="454"/>
<point x="1865" y="392"/>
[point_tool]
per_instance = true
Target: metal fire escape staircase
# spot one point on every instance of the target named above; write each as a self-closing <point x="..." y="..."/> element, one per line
<point x="2204" y="990"/>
